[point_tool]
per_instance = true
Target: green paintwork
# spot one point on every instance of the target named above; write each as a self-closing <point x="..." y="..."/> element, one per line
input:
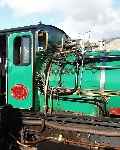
<point x="113" y="102"/>
<point x="67" y="76"/>
<point x="66" y="79"/>
<point x="19" y="75"/>
<point x="77" y="107"/>
<point x="89" y="77"/>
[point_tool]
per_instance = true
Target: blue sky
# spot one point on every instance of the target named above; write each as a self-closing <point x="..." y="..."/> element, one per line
<point x="116" y="3"/>
<point x="75" y="17"/>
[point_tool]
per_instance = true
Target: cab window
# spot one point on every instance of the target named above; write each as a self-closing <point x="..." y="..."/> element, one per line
<point x="22" y="50"/>
<point x="42" y="40"/>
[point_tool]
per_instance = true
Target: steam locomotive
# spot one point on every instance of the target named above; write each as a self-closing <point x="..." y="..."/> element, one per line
<point x="66" y="93"/>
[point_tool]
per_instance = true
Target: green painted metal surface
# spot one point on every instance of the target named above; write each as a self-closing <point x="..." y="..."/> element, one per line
<point x="77" y="107"/>
<point x="90" y="79"/>
<point x="19" y="74"/>
<point x="111" y="66"/>
<point x="64" y="76"/>
<point x="99" y="71"/>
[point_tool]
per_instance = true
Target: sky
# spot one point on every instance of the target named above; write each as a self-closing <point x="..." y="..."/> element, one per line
<point x="78" y="18"/>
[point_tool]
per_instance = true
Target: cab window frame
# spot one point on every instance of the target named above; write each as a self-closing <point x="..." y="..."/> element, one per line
<point x="37" y="41"/>
<point x="21" y="51"/>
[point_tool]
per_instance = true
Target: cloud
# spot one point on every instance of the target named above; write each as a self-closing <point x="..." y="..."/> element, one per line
<point x="79" y="16"/>
<point x="103" y="26"/>
<point x="98" y="16"/>
<point x="26" y="7"/>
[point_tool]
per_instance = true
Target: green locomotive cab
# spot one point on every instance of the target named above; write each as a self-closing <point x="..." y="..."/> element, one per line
<point x="20" y="49"/>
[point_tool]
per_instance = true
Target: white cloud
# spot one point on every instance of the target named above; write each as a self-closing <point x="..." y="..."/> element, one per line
<point x="79" y="16"/>
<point x="25" y="7"/>
<point x="98" y="16"/>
